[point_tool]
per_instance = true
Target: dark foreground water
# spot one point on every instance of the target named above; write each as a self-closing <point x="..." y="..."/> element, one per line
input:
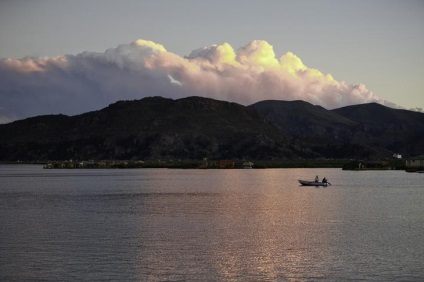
<point x="210" y="225"/>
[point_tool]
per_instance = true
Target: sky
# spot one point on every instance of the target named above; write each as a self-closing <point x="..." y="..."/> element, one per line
<point x="69" y="57"/>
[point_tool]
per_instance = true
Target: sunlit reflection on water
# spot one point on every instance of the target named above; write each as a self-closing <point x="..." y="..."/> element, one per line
<point x="233" y="225"/>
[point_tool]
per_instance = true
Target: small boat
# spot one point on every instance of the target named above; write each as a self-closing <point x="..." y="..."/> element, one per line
<point x="313" y="183"/>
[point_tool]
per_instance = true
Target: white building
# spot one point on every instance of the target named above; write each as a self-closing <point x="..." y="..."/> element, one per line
<point x="415" y="164"/>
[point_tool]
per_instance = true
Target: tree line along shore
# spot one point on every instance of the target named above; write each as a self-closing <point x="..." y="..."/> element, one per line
<point x="227" y="164"/>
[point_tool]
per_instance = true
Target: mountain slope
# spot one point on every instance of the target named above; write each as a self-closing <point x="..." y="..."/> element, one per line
<point x="156" y="127"/>
<point x="363" y="131"/>
<point x="195" y="127"/>
<point x="303" y="120"/>
<point x="396" y="130"/>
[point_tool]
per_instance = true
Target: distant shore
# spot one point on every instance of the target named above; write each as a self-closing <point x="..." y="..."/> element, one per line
<point x="219" y="164"/>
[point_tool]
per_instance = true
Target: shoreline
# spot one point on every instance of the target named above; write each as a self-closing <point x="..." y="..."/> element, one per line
<point x="211" y="164"/>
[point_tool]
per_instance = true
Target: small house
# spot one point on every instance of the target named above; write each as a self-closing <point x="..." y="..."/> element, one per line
<point x="415" y="164"/>
<point x="226" y="164"/>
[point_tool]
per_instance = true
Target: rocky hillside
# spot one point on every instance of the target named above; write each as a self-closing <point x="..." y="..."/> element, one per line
<point x="368" y="131"/>
<point x="194" y="128"/>
<point x="151" y="128"/>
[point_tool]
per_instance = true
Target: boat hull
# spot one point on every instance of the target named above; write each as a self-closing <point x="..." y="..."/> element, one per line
<point x="312" y="183"/>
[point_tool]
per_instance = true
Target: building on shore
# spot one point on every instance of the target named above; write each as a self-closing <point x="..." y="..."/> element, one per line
<point x="227" y="164"/>
<point x="415" y="164"/>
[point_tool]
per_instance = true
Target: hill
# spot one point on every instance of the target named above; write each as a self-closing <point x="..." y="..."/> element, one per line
<point x="367" y="131"/>
<point x="303" y="120"/>
<point x="393" y="129"/>
<point x="195" y="127"/>
<point x="150" y="128"/>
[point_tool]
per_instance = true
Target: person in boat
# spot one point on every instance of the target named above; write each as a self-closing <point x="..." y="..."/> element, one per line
<point x="324" y="180"/>
<point x="316" y="178"/>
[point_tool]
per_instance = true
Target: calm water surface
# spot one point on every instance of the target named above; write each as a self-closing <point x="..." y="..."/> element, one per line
<point x="210" y="225"/>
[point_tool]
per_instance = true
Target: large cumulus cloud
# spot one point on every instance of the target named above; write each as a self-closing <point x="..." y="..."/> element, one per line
<point x="73" y="84"/>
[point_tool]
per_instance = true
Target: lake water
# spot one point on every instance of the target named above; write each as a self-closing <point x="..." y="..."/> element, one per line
<point x="210" y="225"/>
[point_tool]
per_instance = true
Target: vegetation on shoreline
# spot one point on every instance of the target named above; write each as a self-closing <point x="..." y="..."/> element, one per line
<point x="396" y="164"/>
<point x="195" y="164"/>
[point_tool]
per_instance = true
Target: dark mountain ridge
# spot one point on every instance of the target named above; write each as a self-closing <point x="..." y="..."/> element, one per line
<point x="367" y="131"/>
<point x="393" y="129"/>
<point x="195" y="127"/>
<point x="154" y="127"/>
<point x="301" y="119"/>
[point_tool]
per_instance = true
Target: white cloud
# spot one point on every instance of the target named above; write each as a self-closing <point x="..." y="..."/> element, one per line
<point x="73" y="84"/>
<point x="173" y="80"/>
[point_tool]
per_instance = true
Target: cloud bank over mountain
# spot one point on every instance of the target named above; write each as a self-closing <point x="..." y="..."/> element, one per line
<point x="73" y="84"/>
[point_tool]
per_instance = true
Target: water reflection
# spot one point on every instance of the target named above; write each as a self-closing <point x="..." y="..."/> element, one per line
<point x="247" y="224"/>
<point x="151" y="225"/>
